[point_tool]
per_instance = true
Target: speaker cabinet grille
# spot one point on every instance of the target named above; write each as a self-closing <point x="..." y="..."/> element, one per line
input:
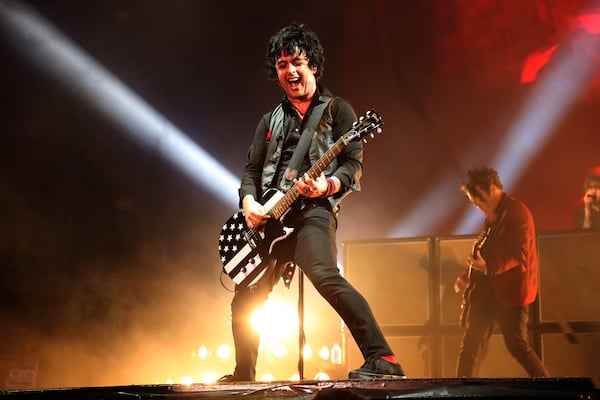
<point x="569" y="276"/>
<point x="452" y="256"/>
<point x="393" y="275"/>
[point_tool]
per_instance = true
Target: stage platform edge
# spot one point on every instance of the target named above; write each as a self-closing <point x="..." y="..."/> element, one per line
<point x="580" y="388"/>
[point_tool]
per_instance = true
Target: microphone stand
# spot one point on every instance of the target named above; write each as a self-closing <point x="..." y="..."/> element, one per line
<point x="301" y="337"/>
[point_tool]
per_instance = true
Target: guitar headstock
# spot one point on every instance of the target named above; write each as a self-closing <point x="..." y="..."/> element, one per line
<point x="366" y="125"/>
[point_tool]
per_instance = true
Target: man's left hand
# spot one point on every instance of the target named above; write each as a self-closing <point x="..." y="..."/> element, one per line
<point x="312" y="188"/>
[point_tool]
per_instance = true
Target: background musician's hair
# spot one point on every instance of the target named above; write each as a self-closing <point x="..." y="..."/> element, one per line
<point x="482" y="178"/>
<point x="590" y="180"/>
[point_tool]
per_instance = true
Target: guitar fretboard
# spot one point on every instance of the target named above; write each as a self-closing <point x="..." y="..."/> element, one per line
<point x="371" y="121"/>
<point x="290" y="197"/>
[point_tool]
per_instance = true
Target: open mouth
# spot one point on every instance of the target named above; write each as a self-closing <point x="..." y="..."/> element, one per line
<point x="294" y="82"/>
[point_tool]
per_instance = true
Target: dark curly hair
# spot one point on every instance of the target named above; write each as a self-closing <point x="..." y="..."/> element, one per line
<point x="292" y="39"/>
<point x="592" y="179"/>
<point x="482" y="178"/>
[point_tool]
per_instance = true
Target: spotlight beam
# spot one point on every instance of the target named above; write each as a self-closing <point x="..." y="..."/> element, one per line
<point x="62" y="59"/>
<point x="550" y="100"/>
<point x="434" y="207"/>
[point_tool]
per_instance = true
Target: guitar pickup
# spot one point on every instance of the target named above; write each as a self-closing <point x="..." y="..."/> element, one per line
<point x="252" y="239"/>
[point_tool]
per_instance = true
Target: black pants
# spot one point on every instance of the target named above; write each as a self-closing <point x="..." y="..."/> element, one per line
<point x="485" y="312"/>
<point x="314" y="249"/>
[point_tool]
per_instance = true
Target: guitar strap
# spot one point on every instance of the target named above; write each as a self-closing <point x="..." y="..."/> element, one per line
<point x="275" y="141"/>
<point x="284" y="266"/>
<point x="291" y="171"/>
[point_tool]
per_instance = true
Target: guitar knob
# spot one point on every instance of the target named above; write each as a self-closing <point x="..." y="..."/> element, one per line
<point x="244" y="270"/>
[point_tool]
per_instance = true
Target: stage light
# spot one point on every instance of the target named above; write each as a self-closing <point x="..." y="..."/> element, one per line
<point x="336" y="354"/>
<point x="56" y="55"/>
<point x="324" y="353"/>
<point x="321" y="376"/>
<point x="209" y="378"/>
<point x="279" y="351"/>
<point x="223" y="351"/>
<point x="307" y="351"/>
<point x="275" y="319"/>
<point x="186" y="380"/>
<point x="203" y="353"/>
<point x="267" y="378"/>
<point x="590" y="22"/>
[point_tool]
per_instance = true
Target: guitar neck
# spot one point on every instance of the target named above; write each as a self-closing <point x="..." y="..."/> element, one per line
<point x="314" y="172"/>
<point x="365" y="124"/>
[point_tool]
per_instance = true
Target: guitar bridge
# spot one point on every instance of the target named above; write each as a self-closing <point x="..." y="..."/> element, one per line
<point x="251" y="238"/>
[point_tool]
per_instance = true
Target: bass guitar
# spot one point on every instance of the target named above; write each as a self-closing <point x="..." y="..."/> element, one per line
<point x="244" y="251"/>
<point x="474" y="276"/>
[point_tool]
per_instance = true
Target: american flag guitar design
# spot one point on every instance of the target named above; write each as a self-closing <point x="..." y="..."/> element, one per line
<point x="245" y="252"/>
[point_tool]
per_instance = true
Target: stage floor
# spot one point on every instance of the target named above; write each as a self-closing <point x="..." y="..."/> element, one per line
<point x="451" y="388"/>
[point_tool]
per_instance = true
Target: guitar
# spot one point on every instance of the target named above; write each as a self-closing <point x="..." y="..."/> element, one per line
<point x="244" y="251"/>
<point x="474" y="276"/>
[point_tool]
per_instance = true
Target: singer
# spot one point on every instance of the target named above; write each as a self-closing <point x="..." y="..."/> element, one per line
<point x="588" y="215"/>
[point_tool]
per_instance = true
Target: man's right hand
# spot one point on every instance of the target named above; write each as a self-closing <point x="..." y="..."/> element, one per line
<point x="254" y="212"/>
<point x="459" y="285"/>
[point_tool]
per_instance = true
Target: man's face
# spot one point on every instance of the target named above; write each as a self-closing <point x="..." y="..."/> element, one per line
<point x="483" y="200"/>
<point x="593" y="190"/>
<point x="295" y="76"/>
